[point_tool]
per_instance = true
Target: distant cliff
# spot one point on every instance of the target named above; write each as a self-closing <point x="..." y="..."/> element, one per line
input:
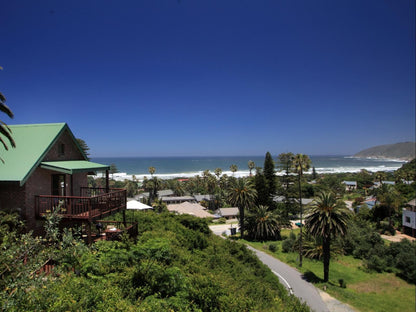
<point x="403" y="151"/>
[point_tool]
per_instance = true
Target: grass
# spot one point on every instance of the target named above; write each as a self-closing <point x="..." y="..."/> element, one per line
<point x="365" y="291"/>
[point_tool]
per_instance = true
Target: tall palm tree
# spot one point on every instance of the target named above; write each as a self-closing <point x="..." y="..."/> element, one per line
<point x="251" y="166"/>
<point x="152" y="170"/>
<point x="218" y="172"/>
<point x="4" y="129"/>
<point x="242" y="194"/>
<point x="300" y="164"/>
<point x="233" y="168"/>
<point x="328" y="217"/>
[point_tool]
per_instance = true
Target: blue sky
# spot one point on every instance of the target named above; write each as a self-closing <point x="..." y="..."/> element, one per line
<point x="171" y="78"/>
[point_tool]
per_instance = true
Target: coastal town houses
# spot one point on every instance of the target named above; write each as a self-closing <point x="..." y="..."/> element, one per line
<point x="48" y="169"/>
<point x="409" y="218"/>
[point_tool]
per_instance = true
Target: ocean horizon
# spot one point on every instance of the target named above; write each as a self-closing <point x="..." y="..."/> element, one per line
<point x="169" y="167"/>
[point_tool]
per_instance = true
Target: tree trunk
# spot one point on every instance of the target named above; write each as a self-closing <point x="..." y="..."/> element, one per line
<point x="301" y="224"/>
<point x="242" y="222"/>
<point x="326" y="248"/>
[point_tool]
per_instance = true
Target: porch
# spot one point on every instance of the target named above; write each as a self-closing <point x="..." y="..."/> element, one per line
<point x="93" y="204"/>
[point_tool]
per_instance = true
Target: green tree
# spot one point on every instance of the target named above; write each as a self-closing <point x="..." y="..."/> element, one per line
<point x="301" y="163"/>
<point x="380" y="176"/>
<point x="152" y="170"/>
<point x="262" y="224"/>
<point x="242" y="194"/>
<point x="218" y="172"/>
<point x="113" y="169"/>
<point x="83" y="145"/>
<point x="270" y="176"/>
<point x="233" y="168"/>
<point x="328" y="218"/>
<point x="389" y="200"/>
<point x="131" y="188"/>
<point x="5" y="132"/>
<point x="285" y="164"/>
<point x="251" y="166"/>
<point x="260" y="185"/>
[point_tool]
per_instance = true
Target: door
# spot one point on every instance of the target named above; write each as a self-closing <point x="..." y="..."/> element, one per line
<point x="58" y="185"/>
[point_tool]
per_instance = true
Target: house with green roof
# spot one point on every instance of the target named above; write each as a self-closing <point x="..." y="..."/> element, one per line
<point x="48" y="169"/>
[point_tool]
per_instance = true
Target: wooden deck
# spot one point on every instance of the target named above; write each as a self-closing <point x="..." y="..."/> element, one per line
<point x="95" y="204"/>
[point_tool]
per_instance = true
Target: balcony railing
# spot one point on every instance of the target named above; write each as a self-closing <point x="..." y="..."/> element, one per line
<point x="94" y="203"/>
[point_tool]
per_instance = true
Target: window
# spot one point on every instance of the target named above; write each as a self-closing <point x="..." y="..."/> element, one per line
<point x="61" y="149"/>
<point x="407" y="219"/>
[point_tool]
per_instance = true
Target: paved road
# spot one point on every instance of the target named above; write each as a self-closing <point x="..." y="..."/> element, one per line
<point x="293" y="280"/>
<point x="317" y="300"/>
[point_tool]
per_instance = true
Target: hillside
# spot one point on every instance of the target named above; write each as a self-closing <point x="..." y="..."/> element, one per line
<point x="402" y="151"/>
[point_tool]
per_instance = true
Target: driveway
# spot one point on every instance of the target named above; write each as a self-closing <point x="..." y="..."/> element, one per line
<point x="317" y="300"/>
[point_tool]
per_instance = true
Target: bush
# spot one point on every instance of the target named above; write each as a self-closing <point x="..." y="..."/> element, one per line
<point x="287" y="245"/>
<point x="273" y="247"/>
<point x="342" y="283"/>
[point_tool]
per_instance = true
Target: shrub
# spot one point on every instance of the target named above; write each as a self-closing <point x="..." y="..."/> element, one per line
<point x="342" y="283"/>
<point x="273" y="247"/>
<point x="287" y="245"/>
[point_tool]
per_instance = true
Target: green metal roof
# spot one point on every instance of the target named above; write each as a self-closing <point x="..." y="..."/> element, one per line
<point x="33" y="142"/>
<point x="73" y="166"/>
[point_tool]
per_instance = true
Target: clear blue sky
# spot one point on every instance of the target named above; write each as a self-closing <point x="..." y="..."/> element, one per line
<point x="165" y="78"/>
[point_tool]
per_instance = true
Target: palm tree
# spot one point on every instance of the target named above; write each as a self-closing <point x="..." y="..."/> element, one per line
<point x="251" y="166"/>
<point x="152" y="170"/>
<point x="233" y="168"/>
<point x="242" y="194"/>
<point x="262" y="224"/>
<point x="328" y="217"/>
<point x="218" y="172"/>
<point x="380" y="176"/>
<point x="4" y="129"/>
<point x="300" y="164"/>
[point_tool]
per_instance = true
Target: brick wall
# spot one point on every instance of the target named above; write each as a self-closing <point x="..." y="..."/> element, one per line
<point x="12" y="196"/>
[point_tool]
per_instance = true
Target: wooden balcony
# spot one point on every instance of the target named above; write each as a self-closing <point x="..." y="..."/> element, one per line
<point x="95" y="203"/>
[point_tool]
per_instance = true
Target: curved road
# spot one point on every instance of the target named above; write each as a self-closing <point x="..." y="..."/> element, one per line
<point x="316" y="299"/>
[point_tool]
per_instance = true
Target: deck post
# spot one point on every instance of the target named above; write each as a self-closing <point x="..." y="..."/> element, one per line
<point x="107" y="181"/>
<point x="89" y="232"/>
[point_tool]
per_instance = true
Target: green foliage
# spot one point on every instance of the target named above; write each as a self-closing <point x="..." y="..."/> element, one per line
<point x="176" y="264"/>
<point x="273" y="247"/>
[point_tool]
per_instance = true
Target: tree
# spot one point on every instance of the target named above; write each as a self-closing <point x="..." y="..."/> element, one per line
<point x="131" y="188"/>
<point x="328" y="218"/>
<point x="270" y="176"/>
<point x="380" y="176"/>
<point x="83" y="145"/>
<point x="261" y="188"/>
<point x="251" y="166"/>
<point x="241" y="194"/>
<point x="300" y="164"/>
<point x="233" y="168"/>
<point x="152" y="170"/>
<point x="262" y="224"/>
<point x="113" y="169"/>
<point x="285" y="164"/>
<point x="389" y="200"/>
<point x="5" y="132"/>
<point x="218" y="172"/>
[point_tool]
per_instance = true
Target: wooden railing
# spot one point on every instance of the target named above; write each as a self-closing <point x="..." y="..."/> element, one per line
<point x="82" y="207"/>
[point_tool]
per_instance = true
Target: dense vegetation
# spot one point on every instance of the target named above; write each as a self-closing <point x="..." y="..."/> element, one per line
<point x="176" y="265"/>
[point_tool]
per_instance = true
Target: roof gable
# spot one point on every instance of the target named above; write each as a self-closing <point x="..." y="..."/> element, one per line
<point x="33" y="142"/>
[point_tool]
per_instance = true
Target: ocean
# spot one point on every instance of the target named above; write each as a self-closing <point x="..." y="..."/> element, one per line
<point x="173" y="167"/>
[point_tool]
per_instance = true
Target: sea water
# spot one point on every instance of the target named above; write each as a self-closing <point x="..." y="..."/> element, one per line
<point x="174" y="167"/>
